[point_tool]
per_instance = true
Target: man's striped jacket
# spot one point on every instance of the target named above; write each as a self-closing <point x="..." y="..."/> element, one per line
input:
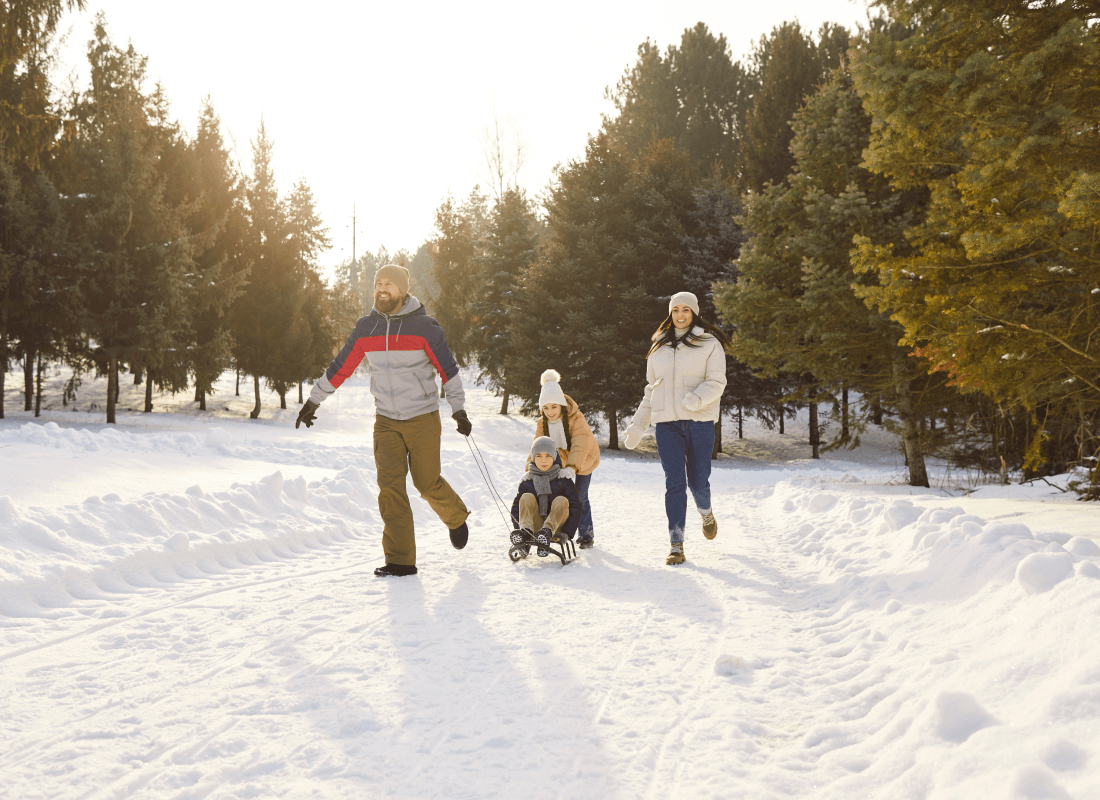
<point x="404" y="351"/>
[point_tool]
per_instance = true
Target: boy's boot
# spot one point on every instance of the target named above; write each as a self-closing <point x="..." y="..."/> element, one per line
<point x="710" y="525"/>
<point x="676" y="554"/>
<point x="543" y="537"/>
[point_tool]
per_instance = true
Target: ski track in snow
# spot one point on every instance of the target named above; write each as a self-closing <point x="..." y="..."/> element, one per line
<point x="840" y="638"/>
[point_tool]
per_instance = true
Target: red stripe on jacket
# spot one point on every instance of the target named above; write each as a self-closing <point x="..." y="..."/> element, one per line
<point x="377" y="344"/>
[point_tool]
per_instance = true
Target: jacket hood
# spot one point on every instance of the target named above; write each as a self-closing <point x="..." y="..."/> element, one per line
<point x="410" y="307"/>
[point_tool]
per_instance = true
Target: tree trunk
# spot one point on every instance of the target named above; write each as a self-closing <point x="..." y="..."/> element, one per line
<point x="118" y="383"/>
<point x="504" y="404"/>
<point x="914" y="456"/>
<point x="256" y="386"/>
<point x="815" y="434"/>
<point x="1093" y="492"/>
<point x="112" y="388"/>
<point x="3" y="348"/>
<point x="198" y="391"/>
<point x="38" y="388"/>
<point x="612" y="431"/>
<point x="28" y="378"/>
<point x="740" y="423"/>
<point x="148" y="393"/>
<point x="876" y="410"/>
<point x="202" y="399"/>
<point x="282" y="397"/>
<point x="844" y="413"/>
<point x="717" y="439"/>
<point x="300" y="400"/>
<point x="137" y="376"/>
<point x="782" y="419"/>
<point x="238" y="391"/>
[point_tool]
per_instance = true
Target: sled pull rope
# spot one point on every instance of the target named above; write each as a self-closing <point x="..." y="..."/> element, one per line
<point x="483" y="468"/>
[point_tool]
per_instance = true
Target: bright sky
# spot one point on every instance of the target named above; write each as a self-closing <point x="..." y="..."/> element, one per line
<point x="379" y="105"/>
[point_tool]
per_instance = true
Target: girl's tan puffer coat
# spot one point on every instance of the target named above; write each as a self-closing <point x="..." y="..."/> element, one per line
<point x="583" y="454"/>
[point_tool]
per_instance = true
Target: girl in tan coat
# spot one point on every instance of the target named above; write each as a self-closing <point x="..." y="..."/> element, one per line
<point x="562" y="421"/>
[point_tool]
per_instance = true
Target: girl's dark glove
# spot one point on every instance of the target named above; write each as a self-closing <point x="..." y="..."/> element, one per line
<point x="464" y="424"/>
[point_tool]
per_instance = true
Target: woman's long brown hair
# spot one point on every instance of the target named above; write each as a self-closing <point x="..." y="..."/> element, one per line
<point x="666" y="334"/>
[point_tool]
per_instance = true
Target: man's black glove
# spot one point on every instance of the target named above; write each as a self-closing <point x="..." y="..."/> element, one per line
<point x="464" y="424"/>
<point x="306" y="415"/>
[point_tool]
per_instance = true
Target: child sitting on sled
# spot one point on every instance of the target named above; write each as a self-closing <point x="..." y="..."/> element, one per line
<point x="547" y="502"/>
<point x="561" y="419"/>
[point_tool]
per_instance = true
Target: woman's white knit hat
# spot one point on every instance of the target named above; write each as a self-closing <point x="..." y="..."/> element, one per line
<point x="685" y="299"/>
<point x="551" y="389"/>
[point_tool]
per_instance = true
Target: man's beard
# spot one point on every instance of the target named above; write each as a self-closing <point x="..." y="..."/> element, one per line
<point x="388" y="306"/>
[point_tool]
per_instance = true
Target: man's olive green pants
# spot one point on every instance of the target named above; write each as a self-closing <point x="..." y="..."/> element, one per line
<point x="401" y="447"/>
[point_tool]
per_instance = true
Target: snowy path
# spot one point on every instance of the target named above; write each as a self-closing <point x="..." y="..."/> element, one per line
<point x="839" y="638"/>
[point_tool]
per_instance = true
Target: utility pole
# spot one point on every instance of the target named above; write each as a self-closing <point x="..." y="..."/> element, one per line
<point x="353" y="274"/>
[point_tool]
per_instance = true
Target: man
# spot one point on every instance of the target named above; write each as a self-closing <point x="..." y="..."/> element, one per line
<point x="404" y="348"/>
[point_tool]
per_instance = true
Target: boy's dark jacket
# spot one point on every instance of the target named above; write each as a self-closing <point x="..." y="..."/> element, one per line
<point x="559" y="487"/>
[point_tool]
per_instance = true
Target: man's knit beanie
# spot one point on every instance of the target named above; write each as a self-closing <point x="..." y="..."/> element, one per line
<point x="398" y="274"/>
<point x="551" y="389"/>
<point x="544" y="444"/>
<point x="684" y="299"/>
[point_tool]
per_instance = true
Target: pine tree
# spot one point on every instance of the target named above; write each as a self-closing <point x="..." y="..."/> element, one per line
<point x="990" y="107"/>
<point x="694" y="94"/>
<point x="133" y="285"/>
<point x="255" y="324"/>
<point x="614" y="254"/>
<point x="14" y="235"/>
<point x="420" y="273"/>
<point x="455" y="251"/>
<point x="273" y="319"/>
<point x="509" y="247"/>
<point x="713" y="249"/>
<point x="794" y="303"/>
<point x="307" y="343"/>
<point x="28" y="121"/>
<point x="788" y="67"/>
<point x="212" y="181"/>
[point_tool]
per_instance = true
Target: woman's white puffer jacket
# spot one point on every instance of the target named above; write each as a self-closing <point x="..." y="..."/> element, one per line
<point x="685" y="383"/>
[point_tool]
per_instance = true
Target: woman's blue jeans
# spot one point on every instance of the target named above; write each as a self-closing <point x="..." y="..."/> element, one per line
<point x="685" y="447"/>
<point x="584" y="530"/>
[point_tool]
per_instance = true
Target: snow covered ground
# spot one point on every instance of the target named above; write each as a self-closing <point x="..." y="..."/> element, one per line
<point x="187" y="609"/>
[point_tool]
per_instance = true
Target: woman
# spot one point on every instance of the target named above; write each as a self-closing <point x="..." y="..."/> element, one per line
<point x="561" y="419"/>
<point x="686" y="375"/>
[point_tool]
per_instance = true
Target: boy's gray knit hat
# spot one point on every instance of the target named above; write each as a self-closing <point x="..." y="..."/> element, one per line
<point x="544" y="444"/>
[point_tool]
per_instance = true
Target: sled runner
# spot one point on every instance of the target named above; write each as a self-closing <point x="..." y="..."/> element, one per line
<point x="523" y="541"/>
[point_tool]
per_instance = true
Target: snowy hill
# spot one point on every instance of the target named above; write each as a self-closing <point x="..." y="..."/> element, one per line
<point x="187" y="609"/>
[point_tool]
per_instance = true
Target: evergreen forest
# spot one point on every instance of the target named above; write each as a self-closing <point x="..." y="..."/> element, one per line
<point x="897" y="225"/>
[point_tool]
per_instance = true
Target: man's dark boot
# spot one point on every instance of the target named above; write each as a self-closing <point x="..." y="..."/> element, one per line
<point x="395" y="570"/>
<point x="459" y="536"/>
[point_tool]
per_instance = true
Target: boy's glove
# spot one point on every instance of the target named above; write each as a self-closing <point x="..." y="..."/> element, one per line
<point x="464" y="424"/>
<point x="306" y="415"/>
<point x="568" y="472"/>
